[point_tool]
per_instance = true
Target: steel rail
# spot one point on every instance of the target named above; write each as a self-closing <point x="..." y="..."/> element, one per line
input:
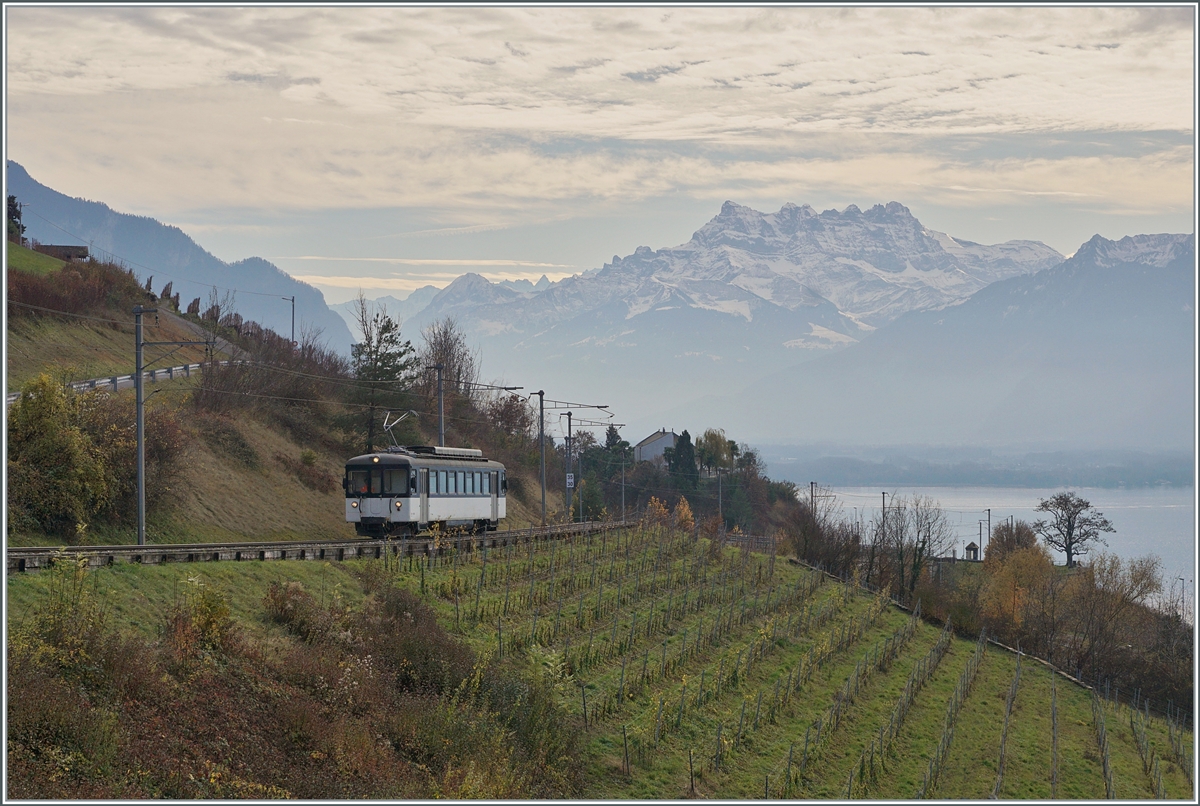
<point x="20" y="559"/>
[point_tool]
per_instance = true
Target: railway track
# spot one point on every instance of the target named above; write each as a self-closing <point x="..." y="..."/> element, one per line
<point x="34" y="558"/>
<point x="23" y="559"/>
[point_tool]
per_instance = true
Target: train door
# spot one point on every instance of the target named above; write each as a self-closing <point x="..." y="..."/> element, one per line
<point x="424" y="496"/>
<point x="493" y="487"/>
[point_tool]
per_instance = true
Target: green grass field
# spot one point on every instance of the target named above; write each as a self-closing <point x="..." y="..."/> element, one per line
<point x="733" y="658"/>
<point x="27" y="260"/>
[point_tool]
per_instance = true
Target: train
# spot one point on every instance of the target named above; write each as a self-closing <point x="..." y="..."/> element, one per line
<point x="404" y="490"/>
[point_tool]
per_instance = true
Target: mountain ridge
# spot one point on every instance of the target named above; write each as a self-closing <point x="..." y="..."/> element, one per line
<point x="165" y="252"/>
<point x="1095" y="351"/>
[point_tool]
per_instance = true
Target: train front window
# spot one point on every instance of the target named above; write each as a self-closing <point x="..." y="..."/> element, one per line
<point x="395" y="482"/>
<point x="356" y="482"/>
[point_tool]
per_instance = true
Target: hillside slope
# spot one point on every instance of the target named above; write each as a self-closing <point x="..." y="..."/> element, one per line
<point x="167" y="254"/>
<point x="723" y="674"/>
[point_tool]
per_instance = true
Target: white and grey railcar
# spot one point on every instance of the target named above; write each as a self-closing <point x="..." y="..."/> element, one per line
<point x="406" y="490"/>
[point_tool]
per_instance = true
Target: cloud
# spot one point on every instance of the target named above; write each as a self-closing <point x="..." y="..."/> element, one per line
<point x="518" y="114"/>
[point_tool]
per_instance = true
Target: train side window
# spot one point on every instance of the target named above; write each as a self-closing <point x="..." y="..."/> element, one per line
<point x="412" y="482"/>
<point x="474" y="479"/>
<point x="442" y="488"/>
<point x="503" y="483"/>
<point x="487" y="483"/>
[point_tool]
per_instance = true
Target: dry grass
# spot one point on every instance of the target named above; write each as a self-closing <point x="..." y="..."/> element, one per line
<point x="84" y="349"/>
<point x="226" y="499"/>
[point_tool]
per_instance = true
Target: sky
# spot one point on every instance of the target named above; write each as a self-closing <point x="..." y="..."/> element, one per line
<point x="386" y="148"/>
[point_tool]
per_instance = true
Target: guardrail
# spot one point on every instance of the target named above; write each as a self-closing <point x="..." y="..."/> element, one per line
<point x="114" y="382"/>
<point x="22" y="559"/>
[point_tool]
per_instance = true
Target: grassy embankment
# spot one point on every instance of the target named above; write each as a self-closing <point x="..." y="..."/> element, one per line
<point x="74" y="348"/>
<point x="242" y="478"/>
<point x="634" y="627"/>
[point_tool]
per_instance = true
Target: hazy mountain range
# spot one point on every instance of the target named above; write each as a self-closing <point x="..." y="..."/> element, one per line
<point x="1097" y="352"/>
<point x="153" y="249"/>
<point x="749" y="293"/>
<point x="852" y="327"/>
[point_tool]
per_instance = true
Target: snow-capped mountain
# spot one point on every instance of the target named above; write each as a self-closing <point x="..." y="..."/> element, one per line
<point x="748" y="293"/>
<point x="1097" y="351"/>
<point x="872" y="266"/>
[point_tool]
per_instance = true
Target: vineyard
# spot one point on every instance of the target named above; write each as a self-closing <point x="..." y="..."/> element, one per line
<point x="700" y="671"/>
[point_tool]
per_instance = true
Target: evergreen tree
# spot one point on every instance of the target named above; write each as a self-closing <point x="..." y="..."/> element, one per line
<point x="612" y="437"/>
<point x="683" y="462"/>
<point x="15" y="228"/>
<point x="383" y="363"/>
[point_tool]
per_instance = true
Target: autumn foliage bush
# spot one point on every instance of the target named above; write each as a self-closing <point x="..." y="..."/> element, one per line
<point x="79" y="288"/>
<point x="72" y="458"/>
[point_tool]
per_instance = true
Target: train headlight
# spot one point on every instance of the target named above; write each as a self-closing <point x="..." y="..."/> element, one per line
<point x="354" y="504"/>
<point x="374" y="458"/>
<point x="399" y="504"/>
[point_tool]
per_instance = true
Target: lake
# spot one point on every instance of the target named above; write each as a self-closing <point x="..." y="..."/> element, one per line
<point x="1158" y="521"/>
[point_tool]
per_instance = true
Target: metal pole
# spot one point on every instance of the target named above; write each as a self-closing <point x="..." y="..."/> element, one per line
<point x="542" y="445"/>
<point x="140" y="407"/>
<point x="720" y="508"/>
<point x="883" y="522"/>
<point x="293" y="298"/>
<point x="570" y="491"/>
<point x="989" y="512"/>
<point x="622" y="490"/>
<point x="441" y="412"/>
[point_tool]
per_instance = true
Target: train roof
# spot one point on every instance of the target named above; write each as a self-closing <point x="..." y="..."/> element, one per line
<point x="422" y="455"/>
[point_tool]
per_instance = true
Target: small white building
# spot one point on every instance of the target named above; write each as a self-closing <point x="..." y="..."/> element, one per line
<point x="651" y="448"/>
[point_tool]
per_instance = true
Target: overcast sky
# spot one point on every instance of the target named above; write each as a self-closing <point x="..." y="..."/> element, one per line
<point x="387" y="148"/>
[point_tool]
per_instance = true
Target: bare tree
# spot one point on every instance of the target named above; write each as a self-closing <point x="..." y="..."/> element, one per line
<point x="1106" y="601"/>
<point x="220" y="306"/>
<point x="931" y="535"/>
<point x="446" y="344"/>
<point x="905" y="538"/>
<point x="1074" y="525"/>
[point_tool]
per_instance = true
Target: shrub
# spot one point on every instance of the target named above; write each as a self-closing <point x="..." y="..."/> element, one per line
<point x="50" y="719"/>
<point x="311" y="476"/>
<point x="110" y="421"/>
<point x="224" y="437"/>
<point x="402" y="632"/>
<point x="57" y="476"/>
<point x="199" y="626"/>
<point x="79" y="288"/>
<point x="292" y="606"/>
